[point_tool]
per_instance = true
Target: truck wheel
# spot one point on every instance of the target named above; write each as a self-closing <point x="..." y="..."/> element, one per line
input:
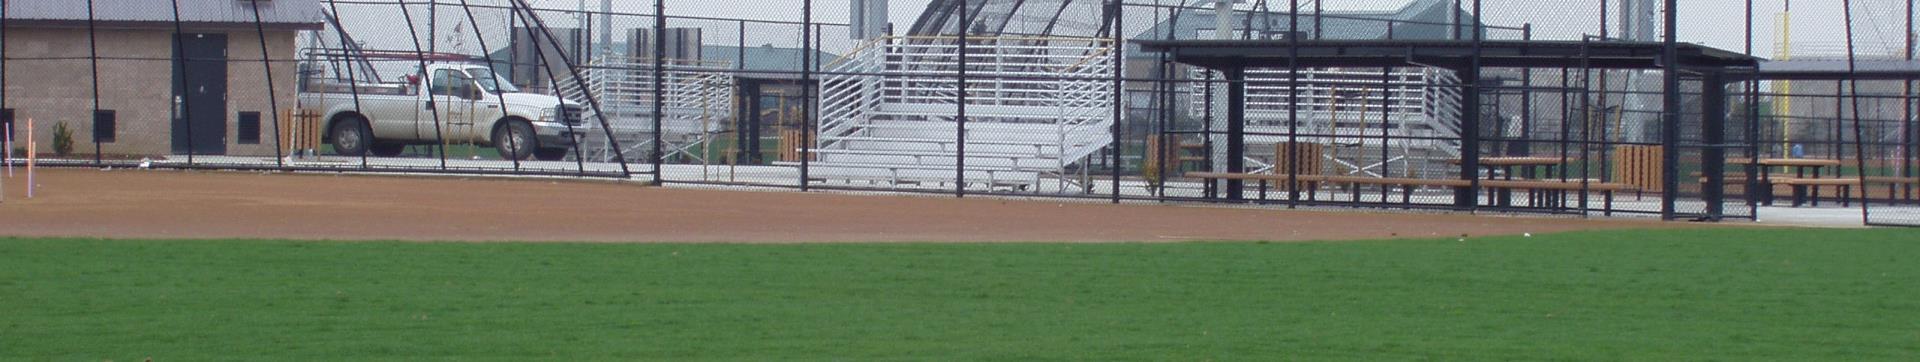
<point x="551" y="154"/>
<point x="388" y="149"/>
<point x="350" y="137"/>
<point x="515" y="141"/>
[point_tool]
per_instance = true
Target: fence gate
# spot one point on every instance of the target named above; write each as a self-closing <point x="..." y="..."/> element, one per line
<point x="1890" y="177"/>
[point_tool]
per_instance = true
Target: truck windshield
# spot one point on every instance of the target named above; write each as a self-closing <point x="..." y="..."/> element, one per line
<point x="491" y="82"/>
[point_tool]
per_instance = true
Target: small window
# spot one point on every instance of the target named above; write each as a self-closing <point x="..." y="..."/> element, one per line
<point x="248" y="128"/>
<point x="104" y="125"/>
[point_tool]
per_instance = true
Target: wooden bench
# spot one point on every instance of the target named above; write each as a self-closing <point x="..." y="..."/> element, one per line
<point x="1407" y="185"/>
<point x="790" y="150"/>
<point x="1894" y="186"/>
<point x="1735" y="183"/>
<point x="1553" y="192"/>
<point x="1887" y="180"/>
<point x="1307" y="158"/>
<point x="1640" y="166"/>
<point x="1557" y="185"/>
<point x="1174" y="151"/>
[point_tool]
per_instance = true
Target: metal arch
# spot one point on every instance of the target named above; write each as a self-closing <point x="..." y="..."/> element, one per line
<point x="941" y="13"/>
<point x="936" y="11"/>
<point x="1056" y="17"/>
<point x="971" y="13"/>
<point x="1017" y="4"/>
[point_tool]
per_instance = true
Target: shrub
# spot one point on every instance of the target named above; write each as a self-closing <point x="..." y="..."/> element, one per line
<point x="62" y="139"/>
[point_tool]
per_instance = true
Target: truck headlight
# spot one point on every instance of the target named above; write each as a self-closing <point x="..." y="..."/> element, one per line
<point x="550" y="115"/>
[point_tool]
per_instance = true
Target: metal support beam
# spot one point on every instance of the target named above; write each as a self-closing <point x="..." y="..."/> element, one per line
<point x="1236" y="130"/>
<point x="1713" y="126"/>
<point x="960" y="107"/>
<point x="806" y="95"/>
<point x="1859" y="131"/>
<point x="1293" y="106"/>
<point x="659" y="86"/>
<point x="755" y="93"/>
<point x="749" y="100"/>
<point x="1119" y="91"/>
<point x="1670" y="125"/>
<point x="1470" y="119"/>
<point x="1469" y="138"/>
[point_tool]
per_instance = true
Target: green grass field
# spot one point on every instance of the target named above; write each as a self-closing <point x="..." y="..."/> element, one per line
<point x="1726" y="294"/>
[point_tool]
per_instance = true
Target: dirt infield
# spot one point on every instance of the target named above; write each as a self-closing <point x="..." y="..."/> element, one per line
<point x="176" y="204"/>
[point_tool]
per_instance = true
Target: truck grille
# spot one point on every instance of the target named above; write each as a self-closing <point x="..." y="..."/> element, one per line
<point x="574" y="115"/>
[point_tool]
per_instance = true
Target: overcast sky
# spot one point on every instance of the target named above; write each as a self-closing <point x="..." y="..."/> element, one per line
<point x="1816" y="23"/>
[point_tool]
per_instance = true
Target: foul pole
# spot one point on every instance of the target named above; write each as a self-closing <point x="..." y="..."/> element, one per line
<point x="1783" y="89"/>
<point x="32" y="154"/>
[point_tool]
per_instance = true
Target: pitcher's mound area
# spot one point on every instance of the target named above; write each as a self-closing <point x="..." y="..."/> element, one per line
<point x="198" y="205"/>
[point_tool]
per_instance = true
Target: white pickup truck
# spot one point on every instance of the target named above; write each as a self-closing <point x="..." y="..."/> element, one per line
<point x="468" y="103"/>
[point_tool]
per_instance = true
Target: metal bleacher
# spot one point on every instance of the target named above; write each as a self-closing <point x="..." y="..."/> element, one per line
<point x="1037" y="108"/>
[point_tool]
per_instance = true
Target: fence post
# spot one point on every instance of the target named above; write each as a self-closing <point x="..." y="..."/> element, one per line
<point x="273" y="97"/>
<point x="1119" y="90"/>
<point x="93" y="58"/>
<point x="185" y="110"/>
<point x="1713" y="104"/>
<point x="1525" y="141"/>
<point x="1670" y="127"/>
<point x="1587" y="112"/>
<point x="6" y="127"/>
<point x="439" y="140"/>
<point x="1163" y="144"/>
<point x="1859" y="134"/>
<point x="1237" y="131"/>
<point x="1907" y="119"/>
<point x="1470" y="121"/>
<point x="1237" y="125"/>
<point x="659" y="88"/>
<point x="1907" y="100"/>
<point x="545" y="67"/>
<point x="1752" y="87"/>
<point x="606" y="128"/>
<point x="513" y="142"/>
<point x="1386" y="123"/>
<point x="960" y="116"/>
<point x="745" y="113"/>
<point x="806" y="93"/>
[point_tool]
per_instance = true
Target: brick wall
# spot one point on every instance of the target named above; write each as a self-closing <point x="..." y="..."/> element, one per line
<point x="48" y="80"/>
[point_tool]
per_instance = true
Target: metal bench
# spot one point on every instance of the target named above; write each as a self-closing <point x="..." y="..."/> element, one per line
<point x="1407" y="185"/>
<point x="1802" y="185"/>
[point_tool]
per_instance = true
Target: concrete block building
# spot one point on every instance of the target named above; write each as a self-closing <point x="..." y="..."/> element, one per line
<point x="216" y="102"/>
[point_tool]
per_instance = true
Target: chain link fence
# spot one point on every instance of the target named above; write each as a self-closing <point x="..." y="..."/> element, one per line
<point x="1055" y="99"/>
